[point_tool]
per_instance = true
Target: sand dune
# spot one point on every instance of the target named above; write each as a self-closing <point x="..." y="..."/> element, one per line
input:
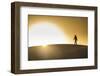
<point x="58" y="51"/>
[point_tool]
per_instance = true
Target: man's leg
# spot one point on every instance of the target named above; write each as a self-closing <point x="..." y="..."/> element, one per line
<point x="75" y="42"/>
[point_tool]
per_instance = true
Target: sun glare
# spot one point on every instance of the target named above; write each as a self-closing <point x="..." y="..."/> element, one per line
<point x="44" y="33"/>
<point x="45" y="45"/>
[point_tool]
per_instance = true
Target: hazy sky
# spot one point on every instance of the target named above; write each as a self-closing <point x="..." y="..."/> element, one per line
<point x="69" y="26"/>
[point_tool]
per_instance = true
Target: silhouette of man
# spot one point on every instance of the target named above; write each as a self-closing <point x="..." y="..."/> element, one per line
<point x="75" y="40"/>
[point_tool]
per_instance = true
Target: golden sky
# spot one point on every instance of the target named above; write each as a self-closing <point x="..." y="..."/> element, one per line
<point x="69" y="25"/>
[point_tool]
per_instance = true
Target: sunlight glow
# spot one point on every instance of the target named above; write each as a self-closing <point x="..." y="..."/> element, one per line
<point x="45" y="45"/>
<point x="45" y="33"/>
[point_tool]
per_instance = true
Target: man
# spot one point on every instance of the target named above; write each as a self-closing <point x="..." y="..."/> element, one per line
<point x="75" y="40"/>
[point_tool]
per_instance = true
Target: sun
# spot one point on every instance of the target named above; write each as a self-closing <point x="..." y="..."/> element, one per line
<point x="45" y="33"/>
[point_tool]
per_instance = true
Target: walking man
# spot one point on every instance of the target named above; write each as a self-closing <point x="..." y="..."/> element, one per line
<point x="75" y="40"/>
